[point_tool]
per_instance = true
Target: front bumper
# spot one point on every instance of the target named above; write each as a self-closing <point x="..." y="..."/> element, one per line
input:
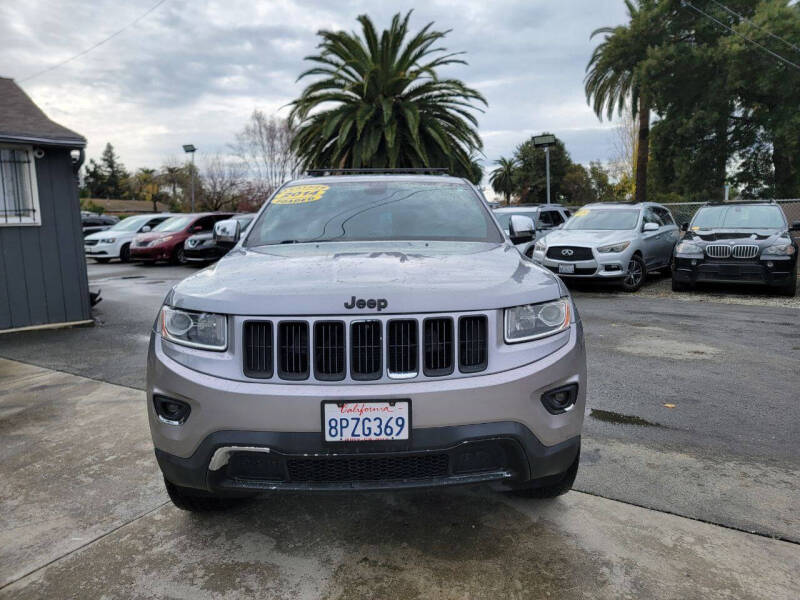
<point x="601" y="266"/>
<point x="151" y="253"/>
<point x="772" y="271"/>
<point x="203" y="254"/>
<point x="498" y="416"/>
<point x="102" y="251"/>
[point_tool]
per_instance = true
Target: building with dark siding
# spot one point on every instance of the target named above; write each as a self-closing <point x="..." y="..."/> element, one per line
<point x="42" y="267"/>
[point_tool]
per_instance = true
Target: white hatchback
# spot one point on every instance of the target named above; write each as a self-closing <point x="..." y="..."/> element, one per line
<point x="115" y="242"/>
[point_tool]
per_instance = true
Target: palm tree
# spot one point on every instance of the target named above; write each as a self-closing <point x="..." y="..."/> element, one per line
<point x="614" y="82"/>
<point x="502" y="178"/>
<point x="380" y="104"/>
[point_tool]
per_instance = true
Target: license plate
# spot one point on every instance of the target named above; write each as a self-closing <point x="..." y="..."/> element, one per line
<point x="366" y="421"/>
<point x="566" y="268"/>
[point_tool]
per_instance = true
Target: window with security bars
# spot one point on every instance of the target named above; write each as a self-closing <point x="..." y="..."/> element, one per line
<point x="19" y="202"/>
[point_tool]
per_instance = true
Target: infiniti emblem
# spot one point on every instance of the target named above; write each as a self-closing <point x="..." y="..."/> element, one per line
<point x="567" y="252"/>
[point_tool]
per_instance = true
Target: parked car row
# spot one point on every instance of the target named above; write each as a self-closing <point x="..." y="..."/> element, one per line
<point x="172" y="238"/>
<point x="744" y="242"/>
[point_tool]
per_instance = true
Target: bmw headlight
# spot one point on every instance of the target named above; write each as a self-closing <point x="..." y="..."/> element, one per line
<point x="618" y="247"/>
<point x="688" y="248"/>
<point x="539" y="246"/>
<point x="779" y="250"/>
<point x="196" y="329"/>
<point x="533" y="321"/>
<point x="108" y="240"/>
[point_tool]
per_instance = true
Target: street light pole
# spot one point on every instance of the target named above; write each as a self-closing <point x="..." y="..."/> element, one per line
<point x="547" y="169"/>
<point x="190" y="149"/>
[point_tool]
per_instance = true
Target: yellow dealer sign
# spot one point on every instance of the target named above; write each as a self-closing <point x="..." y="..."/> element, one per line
<point x="300" y="194"/>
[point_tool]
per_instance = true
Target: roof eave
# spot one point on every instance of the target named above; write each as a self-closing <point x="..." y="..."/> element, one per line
<point x="43" y="141"/>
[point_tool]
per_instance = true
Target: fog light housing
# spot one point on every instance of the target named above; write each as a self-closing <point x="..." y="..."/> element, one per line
<point x="171" y="411"/>
<point x="613" y="268"/>
<point x="770" y="264"/>
<point x="560" y="400"/>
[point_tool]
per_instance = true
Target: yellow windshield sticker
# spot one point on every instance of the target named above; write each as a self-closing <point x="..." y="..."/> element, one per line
<point x="582" y="213"/>
<point x="695" y="228"/>
<point x="300" y="194"/>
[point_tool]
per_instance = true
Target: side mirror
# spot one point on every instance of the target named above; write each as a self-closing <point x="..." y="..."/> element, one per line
<point x="795" y="226"/>
<point x="685" y="226"/>
<point x="521" y="229"/>
<point x="650" y="227"/>
<point x="145" y="229"/>
<point x="226" y="233"/>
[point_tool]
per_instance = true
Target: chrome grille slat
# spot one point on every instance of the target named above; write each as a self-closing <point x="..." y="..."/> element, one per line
<point x="402" y="348"/>
<point x="438" y="347"/>
<point x="718" y="250"/>
<point x="329" y="350"/>
<point x="745" y="251"/>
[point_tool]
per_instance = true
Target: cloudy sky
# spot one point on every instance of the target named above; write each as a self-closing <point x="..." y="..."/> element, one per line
<point x="193" y="70"/>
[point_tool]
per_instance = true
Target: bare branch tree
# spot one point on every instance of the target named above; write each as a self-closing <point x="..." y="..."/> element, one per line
<point x="622" y="165"/>
<point x="221" y="183"/>
<point x="264" y="145"/>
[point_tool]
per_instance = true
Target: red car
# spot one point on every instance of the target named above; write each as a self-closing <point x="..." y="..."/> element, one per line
<point x="165" y="241"/>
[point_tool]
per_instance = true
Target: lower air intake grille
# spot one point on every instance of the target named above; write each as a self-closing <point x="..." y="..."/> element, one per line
<point x="329" y="350"/>
<point x="402" y="358"/>
<point x="438" y="347"/>
<point x="366" y="346"/>
<point x="368" y="468"/>
<point x="293" y="350"/>
<point x="472" y="344"/>
<point x="258" y="349"/>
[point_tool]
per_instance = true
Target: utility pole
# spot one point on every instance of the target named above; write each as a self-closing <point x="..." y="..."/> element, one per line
<point x="545" y="141"/>
<point x="190" y="149"/>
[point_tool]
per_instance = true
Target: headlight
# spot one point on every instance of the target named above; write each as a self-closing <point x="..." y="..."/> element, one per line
<point x="108" y="240"/>
<point x="198" y="330"/>
<point x="539" y="246"/>
<point x="779" y="250"/>
<point x="159" y="241"/>
<point x="688" y="248"/>
<point x="533" y="321"/>
<point x="619" y="247"/>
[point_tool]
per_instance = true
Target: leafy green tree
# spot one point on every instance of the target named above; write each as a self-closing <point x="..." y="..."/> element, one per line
<point x="379" y="102"/>
<point x="502" y="177"/>
<point x="576" y="187"/>
<point x="614" y="81"/>
<point x="602" y="188"/>
<point x="530" y="176"/>
<point x="108" y="178"/>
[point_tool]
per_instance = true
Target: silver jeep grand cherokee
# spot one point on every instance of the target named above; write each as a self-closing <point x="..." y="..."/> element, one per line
<point x="367" y="332"/>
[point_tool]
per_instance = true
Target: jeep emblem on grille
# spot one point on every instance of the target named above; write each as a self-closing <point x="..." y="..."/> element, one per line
<point x="567" y="252"/>
<point x="379" y="303"/>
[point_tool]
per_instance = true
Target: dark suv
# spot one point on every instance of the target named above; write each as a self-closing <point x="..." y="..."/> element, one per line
<point x="739" y="242"/>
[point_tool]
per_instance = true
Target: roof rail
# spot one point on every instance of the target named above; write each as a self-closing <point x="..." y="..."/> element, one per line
<point x="371" y="171"/>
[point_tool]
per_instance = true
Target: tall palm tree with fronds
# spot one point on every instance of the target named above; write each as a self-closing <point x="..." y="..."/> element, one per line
<point x="502" y="178"/>
<point x="614" y="81"/>
<point x="378" y="102"/>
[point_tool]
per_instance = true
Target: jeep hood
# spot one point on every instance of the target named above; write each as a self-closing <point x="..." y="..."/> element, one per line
<point x="413" y="277"/>
<point x="588" y="238"/>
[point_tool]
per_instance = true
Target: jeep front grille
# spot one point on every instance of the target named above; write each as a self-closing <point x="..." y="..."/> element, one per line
<point x="329" y="350"/>
<point x="472" y="344"/>
<point x="257" y="340"/>
<point x="366" y="349"/>
<point x="438" y="347"/>
<point x="402" y="348"/>
<point x="354" y="349"/>
<point x="745" y="251"/>
<point x="293" y="350"/>
<point x="718" y="251"/>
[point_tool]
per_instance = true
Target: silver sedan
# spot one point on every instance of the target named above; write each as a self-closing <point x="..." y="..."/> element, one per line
<point x="620" y="242"/>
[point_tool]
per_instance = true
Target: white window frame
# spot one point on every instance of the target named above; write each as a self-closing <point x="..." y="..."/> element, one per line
<point x="25" y="221"/>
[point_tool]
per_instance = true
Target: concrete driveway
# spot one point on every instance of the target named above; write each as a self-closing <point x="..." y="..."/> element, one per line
<point x="690" y="442"/>
<point x="83" y="515"/>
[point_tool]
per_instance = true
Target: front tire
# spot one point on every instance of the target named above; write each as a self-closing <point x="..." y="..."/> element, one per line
<point x="102" y="261"/>
<point x="554" y="486"/>
<point x="125" y="253"/>
<point x="196" y="500"/>
<point x="634" y="278"/>
<point x="178" y="256"/>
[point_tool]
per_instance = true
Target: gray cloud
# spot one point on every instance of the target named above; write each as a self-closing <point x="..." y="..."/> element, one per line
<point x="193" y="71"/>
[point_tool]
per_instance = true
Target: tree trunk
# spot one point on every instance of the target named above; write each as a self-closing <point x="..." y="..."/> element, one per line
<point x="508" y="199"/>
<point x="642" y="151"/>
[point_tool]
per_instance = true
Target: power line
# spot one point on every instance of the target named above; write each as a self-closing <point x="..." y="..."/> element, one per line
<point x="744" y="37"/>
<point x="98" y="44"/>
<point x="768" y="32"/>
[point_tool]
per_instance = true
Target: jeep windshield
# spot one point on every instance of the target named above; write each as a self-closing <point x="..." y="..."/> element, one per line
<point x="603" y="219"/>
<point x="739" y="217"/>
<point x="373" y="211"/>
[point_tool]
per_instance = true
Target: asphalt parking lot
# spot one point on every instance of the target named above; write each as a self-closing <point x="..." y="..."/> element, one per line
<point x="690" y="442"/>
